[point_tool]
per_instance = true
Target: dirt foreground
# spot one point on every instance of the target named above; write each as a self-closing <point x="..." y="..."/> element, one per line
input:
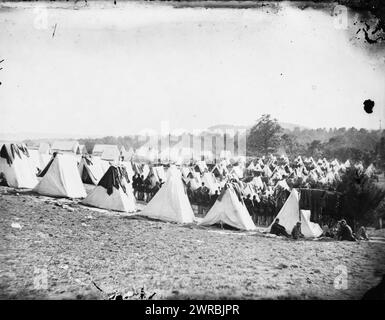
<point x="56" y="249"/>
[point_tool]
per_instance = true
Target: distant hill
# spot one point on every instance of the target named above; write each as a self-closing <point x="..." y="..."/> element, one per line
<point x="284" y="125"/>
<point x="227" y="127"/>
<point x="42" y="136"/>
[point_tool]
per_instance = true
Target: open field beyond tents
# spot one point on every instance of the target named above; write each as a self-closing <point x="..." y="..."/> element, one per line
<point x="76" y="245"/>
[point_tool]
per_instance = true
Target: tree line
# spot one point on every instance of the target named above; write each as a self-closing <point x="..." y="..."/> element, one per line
<point x="267" y="136"/>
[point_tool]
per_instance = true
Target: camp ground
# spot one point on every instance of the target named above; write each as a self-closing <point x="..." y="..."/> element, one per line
<point x="230" y="206"/>
<point x="192" y="150"/>
<point x="261" y="180"/>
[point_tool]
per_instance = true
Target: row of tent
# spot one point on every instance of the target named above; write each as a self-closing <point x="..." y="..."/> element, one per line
<point x="273" y="167"/>
<point x="63" y="176"/>
<point x="103" y="151"/>
<point x="145" y="153"/>
<point x="260" y="175"/>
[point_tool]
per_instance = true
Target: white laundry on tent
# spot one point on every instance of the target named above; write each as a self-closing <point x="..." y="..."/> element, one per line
<point x="61" y="178"/>
<point x="112" y="193"/>
<point x="170" y="203"/>
<point x="230" y="210"/>
<point x="91" y="170"/>
<point x="290" y="214"/>
<point x="16" y="166"/>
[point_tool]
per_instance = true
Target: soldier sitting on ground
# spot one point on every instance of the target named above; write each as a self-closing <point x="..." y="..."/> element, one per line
<point x="278" y="230"/>
<point x="361" y="234"/>
<point x="345" y="233"/>
<point x="296" y="233"/>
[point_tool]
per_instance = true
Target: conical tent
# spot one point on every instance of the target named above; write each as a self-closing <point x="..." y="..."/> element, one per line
<point x="230" y="210"/>
<point x="290" y="214"/>
<point x="112" y="193"/>
<point x="170" y="203"/>
<point x="16" y="166"/>
<point x="210" y="182"/>
<point x="61" y="178"/>
<point x="251" y="166"/>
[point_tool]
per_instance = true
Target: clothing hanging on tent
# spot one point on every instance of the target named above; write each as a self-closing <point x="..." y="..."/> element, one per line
<point x="111" y="180"/>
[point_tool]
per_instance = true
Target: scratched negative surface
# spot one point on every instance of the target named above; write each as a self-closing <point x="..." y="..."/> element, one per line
<point x="238" y="98"/>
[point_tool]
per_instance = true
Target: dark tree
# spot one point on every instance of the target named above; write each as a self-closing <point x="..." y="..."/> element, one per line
<point x="263" y="137"/>
<point x="361" y="197"/>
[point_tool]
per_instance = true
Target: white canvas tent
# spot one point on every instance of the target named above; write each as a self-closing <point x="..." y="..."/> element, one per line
<point x="195" y="180"/>
<point x="36" y="161"/>
<point x="200" y="166"/>
<point x="237" y="171"/>
<point x="228" y="209"/>
<point x="83" y="149"/>
<point x="290" y="214"/>
<point x="127" y="155"/>
<point x="129" y="169"/>
<point x="61" y="178"/>
<point x="257" y="181"/>
<point x="159" y="173"/>
<point x="117" y="196"/>
<point x="111" y="154"/>
<point x="44" y="148"/>
<point x="251" y="166"/>
<point x="308" y="228"/>
<point x="370" y="170"/>
<point x="91" y="170"/>
<point x="283" y="185"/>
<point x="170" y="203"/>
<point x="64" y="146"/>
<point x="210" y="182"/>
<point x="104" y="164"/>
<point x="250" y="189"/>
<point x="17" y="169"/>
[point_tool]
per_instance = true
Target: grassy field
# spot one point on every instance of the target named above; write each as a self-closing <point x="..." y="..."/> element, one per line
<point x="75" y="246"/>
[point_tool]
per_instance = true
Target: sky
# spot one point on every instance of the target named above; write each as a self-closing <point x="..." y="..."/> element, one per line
<point x="117" y="71"/>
